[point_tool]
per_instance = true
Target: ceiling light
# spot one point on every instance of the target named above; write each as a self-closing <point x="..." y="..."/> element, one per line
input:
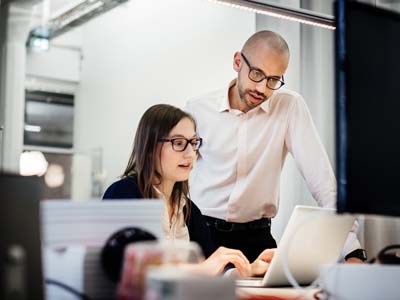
<point x="32" y="163"/>
<point x="284" y="12"/>
<point x="38" y="39"/>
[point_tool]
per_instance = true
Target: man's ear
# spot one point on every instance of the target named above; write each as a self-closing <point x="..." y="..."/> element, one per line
<point x="237" y="59"/>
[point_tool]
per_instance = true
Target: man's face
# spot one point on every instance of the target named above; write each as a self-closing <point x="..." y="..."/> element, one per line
<point x="267" y="61"/>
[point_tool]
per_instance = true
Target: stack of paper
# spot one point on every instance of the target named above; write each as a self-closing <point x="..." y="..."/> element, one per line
<point x="66" y="223"/>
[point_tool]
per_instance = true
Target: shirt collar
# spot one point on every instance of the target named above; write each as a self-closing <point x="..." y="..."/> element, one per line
<point x="160" y="195"/>
<point x="225" y="105"/>
<point x="224" y="101"/>
<point x="266" y="104"/>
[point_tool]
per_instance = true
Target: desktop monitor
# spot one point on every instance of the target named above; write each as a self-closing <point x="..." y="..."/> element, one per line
<point x="20" y="247"/>
<point x="367" y="109"/>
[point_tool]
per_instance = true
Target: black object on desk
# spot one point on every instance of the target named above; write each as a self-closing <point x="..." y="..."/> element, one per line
<point x="112" y="254"/>
<point x="20" y="247"/>
<point x="389" y="255"/>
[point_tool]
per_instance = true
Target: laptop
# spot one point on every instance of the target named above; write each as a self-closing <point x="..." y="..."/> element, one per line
<point x="313" y="236"/>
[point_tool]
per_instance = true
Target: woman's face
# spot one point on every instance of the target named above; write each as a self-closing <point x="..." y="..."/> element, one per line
<point x="175" y="166"/>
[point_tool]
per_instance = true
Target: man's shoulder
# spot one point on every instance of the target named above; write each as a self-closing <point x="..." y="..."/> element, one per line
<point x="288" y="94"/>
<point x="287" y="98"/>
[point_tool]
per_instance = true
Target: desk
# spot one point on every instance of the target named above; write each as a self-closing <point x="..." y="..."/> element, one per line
<point x="79" y="267"/>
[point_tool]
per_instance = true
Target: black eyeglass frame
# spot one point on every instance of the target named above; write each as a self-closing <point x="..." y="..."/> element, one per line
<point x="188" y="141"/>
<point x="251" y="68"/>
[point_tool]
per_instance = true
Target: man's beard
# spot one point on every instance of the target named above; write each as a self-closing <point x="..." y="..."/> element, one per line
<point x="250" y="105"/>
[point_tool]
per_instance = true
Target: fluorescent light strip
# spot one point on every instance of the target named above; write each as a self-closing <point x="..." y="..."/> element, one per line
<point x="265" y="9"/>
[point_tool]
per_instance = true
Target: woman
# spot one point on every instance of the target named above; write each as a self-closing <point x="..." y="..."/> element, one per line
<point x="164" y="150"/>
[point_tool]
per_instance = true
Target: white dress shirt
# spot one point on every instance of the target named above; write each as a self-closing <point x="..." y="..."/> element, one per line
<point x="237" y="174"/>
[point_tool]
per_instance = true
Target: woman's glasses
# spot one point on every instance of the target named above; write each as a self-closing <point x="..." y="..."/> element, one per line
<point x="180" y="144"/>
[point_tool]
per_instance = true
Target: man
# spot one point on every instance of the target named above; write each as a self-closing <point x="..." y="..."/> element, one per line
<point x="248" y="129"/>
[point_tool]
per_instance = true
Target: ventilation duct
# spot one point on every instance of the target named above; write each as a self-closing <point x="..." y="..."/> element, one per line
<point x="74" y="17"/>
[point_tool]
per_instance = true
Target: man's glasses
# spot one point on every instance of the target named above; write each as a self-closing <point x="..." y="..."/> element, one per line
<point x="257" y="75"/>
<point x="180" y="144"/>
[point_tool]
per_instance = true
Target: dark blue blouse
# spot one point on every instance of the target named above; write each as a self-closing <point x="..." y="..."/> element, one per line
<point x="127" y="188"/>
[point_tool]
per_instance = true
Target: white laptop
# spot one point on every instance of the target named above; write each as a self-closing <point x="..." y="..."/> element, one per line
<point x="313" y="236"/>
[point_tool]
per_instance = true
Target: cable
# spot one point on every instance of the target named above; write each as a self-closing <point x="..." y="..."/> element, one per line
<point x="67" y="288"/>
<point x="386" y="258"/>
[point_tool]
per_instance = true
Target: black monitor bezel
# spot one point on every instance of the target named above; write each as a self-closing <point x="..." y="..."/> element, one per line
<point x="343" y="10"/>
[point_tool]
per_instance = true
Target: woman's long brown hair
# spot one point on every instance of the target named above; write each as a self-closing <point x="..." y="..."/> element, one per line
<point x="155" y="124"/>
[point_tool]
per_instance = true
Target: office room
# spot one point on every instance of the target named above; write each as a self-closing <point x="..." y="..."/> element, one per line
<point x="79" y="77"/>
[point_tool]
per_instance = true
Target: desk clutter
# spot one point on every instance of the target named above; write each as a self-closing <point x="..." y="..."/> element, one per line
<point x="149" y="273"/>
<point x="361" y="281"/>
<point x="73" y="236"/>
<point x="79" y="268"/>
<point x="142" y="257"/>
<point x="168" y="283"/>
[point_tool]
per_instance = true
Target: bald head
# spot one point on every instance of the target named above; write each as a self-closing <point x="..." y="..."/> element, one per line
<point x="268" y="39"/>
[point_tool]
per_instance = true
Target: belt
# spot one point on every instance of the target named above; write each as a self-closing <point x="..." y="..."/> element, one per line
<point x="223" y="225"/>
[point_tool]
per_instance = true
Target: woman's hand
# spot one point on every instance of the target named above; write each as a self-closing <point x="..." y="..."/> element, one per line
<point x="216" y="263"/>
<point x="261" y="264"/>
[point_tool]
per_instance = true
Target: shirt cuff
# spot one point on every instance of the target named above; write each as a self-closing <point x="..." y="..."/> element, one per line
<point x="352" y="243"/>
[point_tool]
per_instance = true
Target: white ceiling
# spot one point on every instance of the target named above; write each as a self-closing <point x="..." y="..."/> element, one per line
<point x="57" y="7"/>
